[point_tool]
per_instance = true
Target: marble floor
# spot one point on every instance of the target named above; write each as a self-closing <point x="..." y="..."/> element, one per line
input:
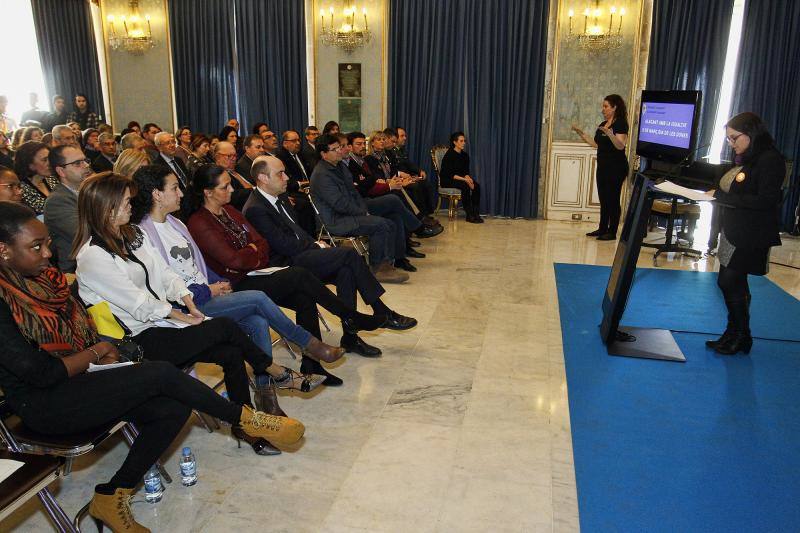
<point x="462" y="425"/>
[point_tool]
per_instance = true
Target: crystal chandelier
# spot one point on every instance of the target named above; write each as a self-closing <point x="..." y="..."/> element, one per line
<point x="596" y="38"/>
<point x="138" y="38"/>
<point x="348" y="36"/>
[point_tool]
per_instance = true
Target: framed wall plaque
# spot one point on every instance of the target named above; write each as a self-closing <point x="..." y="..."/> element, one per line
<point x="350" y="114"/>
<point x="349" y="80"/>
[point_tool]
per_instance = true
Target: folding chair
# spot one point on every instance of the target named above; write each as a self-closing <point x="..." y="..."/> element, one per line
<point x="30" y="480"/>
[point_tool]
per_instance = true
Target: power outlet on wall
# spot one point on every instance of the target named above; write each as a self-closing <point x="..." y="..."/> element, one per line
<point x="577" y="216"/>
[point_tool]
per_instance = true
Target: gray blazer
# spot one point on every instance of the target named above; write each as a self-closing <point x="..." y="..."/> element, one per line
<point x="61" y="218"/>
<point x="336" y="198"/>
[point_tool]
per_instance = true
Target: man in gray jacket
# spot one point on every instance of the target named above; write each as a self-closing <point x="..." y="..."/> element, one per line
<point x="61" y="207"/>
<point x="344" y="211"/>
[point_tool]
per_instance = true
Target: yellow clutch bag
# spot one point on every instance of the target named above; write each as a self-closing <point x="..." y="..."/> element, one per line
<point x="104" y="320"/>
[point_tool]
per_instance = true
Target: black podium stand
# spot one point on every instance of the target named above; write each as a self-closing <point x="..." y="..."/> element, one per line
<point x="644" y="343"/>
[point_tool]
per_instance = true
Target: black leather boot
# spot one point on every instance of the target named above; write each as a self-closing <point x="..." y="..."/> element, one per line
<point x="266" y="398"/>
<point x="740" y="340"/>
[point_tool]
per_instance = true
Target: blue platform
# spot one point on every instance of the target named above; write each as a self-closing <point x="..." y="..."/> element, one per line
<point x="712" y="444"/>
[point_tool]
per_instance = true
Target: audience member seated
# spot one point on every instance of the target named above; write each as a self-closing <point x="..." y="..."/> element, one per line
<point x="77" y="131"/>
<point x="133" y="141"/>
<point x="331" y="128"/>
<point x="253" y="147"/>
<point x="108" y="153"/>
<point x="149" y="132"/>
<point x="58" y="115"/>
<point x="259" y="128"/>
<point x="34" y="114"/>
<point x="184" y="138"/>
<point x="83" y="113"/>
<point x="16" y="137"/>
<point x="135" y="127"/>
<point x="231" y="134"/>
<point x="455" y="173"/>
<point x="225" y="157"/>
<point x="10" y="186"/>
<point x="61" y="207"/>
<point x="32" y="133"/>
<point x="233" y="249"/>
<point x="6" y="155"/>
<point x="308" y="153"/>
<point x="298" y="181"/>
<point x="63" y="135"/>
<point x="48" y="344"/>
<point x="289" y="244"/>
<point x="129" y="161"/>
<point x="199" y="154"/>
<point x="167" y="147"/>
<point x="344" y="212"/>
<point x="91" y="145"/>
<point x="270" y="139"/>
<point x="416" y="182"/>
<point x="33" y="169"/>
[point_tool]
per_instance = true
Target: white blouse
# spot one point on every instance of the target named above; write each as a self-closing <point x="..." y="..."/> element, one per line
<point x="103" y="276"/>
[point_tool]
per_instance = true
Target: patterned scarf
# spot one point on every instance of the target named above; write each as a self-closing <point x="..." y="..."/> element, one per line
<point x="46" y="312"/>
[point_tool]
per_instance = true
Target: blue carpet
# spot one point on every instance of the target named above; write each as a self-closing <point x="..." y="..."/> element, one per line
<point x="712" y="444"/>
<point x="687" y="301"/>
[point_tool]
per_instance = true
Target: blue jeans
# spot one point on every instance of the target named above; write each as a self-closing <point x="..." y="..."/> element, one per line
<point x="256" y="313"/>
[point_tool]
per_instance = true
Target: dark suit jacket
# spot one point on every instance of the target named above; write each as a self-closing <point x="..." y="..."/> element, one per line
<point x="366" y="180"/>
<point x="61" y="218"/>
<point x="293" y="170"/>
<point x="243" y="167"/>
<point x="751" y="208"/>
<point x="159" y="160"/>
<point x="267" y="221"/>
<point x="336" y="198"/>
<point x="308" y="155"/>
<point x="102" y="164"/>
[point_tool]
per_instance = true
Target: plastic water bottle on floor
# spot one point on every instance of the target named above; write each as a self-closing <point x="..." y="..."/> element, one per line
<point x="188" y="468"/>
<point x="153" y="490"/>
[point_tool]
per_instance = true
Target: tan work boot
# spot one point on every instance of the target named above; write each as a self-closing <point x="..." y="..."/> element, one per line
<point x="277" y="429"/>
<point x="115" y="511"/>
<point x="387" y="273"/>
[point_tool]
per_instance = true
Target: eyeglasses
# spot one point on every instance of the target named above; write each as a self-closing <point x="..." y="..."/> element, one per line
<point x="733" y="138"/>
<point x="16" y="186"/>
<point x="292" y="140"/>
<point x="77" y="163"/>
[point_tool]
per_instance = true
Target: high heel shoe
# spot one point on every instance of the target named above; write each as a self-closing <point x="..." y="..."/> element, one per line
<point x="293" y="380"/>
<point x="266" y="397"/>
<point x="737" y="342"/>
<point x="278" y="429"/>
<point x="259" y="445"/>
<point x="114" y="510"/>
<point x="319" y="351"/>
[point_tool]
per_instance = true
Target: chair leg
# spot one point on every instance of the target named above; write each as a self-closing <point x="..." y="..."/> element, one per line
<point x="56" y="513"/>
<point x="67" y="466"/>
<point x="289" y="347"/>
<point x="203" y="421"/>
<point x="438" y="203"/>
<point x="80" y="516"/>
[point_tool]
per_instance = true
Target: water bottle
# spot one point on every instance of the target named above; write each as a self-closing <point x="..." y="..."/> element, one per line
<point x="188" y="467"/>
<point x="153" y="490"/>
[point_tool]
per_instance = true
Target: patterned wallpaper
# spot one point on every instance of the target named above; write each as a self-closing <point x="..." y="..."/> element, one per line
<point x="583" y="79"/>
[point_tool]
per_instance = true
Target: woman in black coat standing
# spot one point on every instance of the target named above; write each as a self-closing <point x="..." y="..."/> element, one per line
<point x="749" y="198"/>
<point x="610" y="139"/>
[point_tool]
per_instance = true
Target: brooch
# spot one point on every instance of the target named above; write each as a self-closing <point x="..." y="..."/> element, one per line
<point x="740" y="177"/>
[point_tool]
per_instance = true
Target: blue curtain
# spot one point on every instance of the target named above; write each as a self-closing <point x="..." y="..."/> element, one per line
<point x="271" y="61"/>
<point x="201" y="33"/>
<point x="479" y="67"/>
<point x="691" y="56"/>
<point x="767" y="79"/>
<point x="67" y="50"/>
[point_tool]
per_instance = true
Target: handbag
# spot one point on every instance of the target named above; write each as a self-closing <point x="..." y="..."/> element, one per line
<point x="111" y="329"/>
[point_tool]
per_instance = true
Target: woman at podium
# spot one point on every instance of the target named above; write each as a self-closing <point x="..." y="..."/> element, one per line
<point x="610" y="139"/>
<point x="749" y="198"/>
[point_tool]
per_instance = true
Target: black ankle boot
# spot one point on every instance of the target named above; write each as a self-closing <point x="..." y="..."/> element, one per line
<point x="266" y="398"/>
<point x="739" y="340"/>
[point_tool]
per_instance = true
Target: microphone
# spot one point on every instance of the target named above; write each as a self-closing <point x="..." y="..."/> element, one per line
<point x="685" y="160"/>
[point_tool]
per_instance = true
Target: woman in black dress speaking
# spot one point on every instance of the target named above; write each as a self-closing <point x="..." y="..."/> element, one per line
<point x="610" y="139"/>
<point x="749" y="199"/>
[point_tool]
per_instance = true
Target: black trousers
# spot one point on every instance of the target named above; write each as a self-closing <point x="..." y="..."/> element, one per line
<point x="298" y="289"/>
<point x="609" y="188"/>
<point x="421" y="196"/>
<point x="154" y="395"/>
<point x="306" y="218"/>
<point x="219" y="341"/>
<point x="344" y="268"/>
<point x="470" y="198"/>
